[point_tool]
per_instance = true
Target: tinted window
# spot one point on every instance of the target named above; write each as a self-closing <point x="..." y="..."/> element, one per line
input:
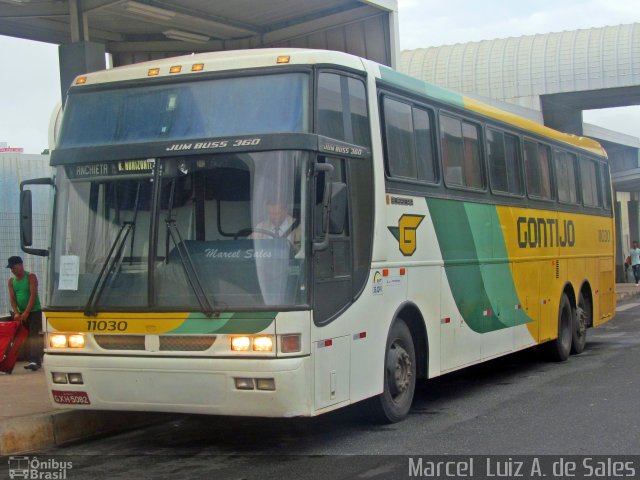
<point x="566" y="176"/>
<point x="591" y="192"/>
<point x="424" y="145"/>
<point x="606" y="187"/>
<point x="359" y="115"/>
<point x="503" y="152"/>
<point x="408" y="140"/>
<point x="461" y="152"/>
<point x="342" y="109"/>
<point x="537" y="167"/>
<point x="401" y="155"/>
<point x="202" y="109"/>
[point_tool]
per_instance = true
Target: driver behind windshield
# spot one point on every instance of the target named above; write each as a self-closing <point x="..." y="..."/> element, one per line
<point x="278" y="224"/>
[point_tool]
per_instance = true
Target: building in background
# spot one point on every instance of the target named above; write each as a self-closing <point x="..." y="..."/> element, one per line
<point x="15" y="167"/>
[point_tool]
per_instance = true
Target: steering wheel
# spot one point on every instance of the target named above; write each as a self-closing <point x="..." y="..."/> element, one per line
<point x="245" y="232"/>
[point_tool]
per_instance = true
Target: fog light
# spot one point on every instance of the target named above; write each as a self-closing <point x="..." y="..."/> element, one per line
<point x="262" y="344"/>
<point x="76" y="341"/>
<point x="244" y="383"/>
<point x="240" y="344"/>
<point x="58" y="341"/>
<point x="290" y="343"/>
<point x="266" y="383"/>
<point x="59" y="377"/>
<point x="75" y="378"/>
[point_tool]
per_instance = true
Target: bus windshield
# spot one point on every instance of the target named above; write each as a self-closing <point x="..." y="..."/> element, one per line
<point x="230" y="233"/>
<point x="263" y="104"/>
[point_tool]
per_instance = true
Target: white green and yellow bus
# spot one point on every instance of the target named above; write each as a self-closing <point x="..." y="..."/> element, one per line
<point x="423" y="232"/>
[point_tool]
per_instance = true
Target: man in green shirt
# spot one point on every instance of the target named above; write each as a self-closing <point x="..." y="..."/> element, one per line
<point x="23" y="295"/>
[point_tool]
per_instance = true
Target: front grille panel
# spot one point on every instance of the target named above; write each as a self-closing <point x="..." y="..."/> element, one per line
<point x="186" y="343"/>
<point x="120" y="342"/>
<point x="168" y="343"/>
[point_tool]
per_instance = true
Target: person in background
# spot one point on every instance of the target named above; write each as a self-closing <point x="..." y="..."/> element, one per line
<point x="634" y="253"/>
<point x="23" y="295"/>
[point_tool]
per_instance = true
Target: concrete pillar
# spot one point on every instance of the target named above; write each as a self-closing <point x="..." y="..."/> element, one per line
<point x="78" y="58"/>
<point x="561" y="117"/>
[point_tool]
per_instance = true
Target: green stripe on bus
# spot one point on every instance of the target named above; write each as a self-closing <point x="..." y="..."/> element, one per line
<point x="244" y="323"/>
<point x="476" y="264"/>
<point x="418" y="86"/>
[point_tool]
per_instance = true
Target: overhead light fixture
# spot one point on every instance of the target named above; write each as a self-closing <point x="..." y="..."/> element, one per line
<point x="185" y="36"/>
<point x="149" y="11"/>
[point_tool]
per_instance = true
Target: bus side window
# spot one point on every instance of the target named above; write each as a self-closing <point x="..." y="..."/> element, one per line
<point x="505" y="165"/>
<point x="408" y="141"/>
<point x="537" y="168"/>
<point x="606" y="186"/>
<point x="566" y="176"/>
<point x="591" y="191"/>
<point x="342" y="109"/>
<point x="461" y="155"/>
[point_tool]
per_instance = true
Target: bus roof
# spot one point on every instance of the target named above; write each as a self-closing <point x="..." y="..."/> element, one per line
<point x="272" y="57"/>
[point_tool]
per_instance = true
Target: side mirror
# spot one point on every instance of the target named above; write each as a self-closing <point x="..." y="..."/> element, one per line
<point x="26" y="218"/>
<point x="338" y="212"/>
<point x="26" y="224"/>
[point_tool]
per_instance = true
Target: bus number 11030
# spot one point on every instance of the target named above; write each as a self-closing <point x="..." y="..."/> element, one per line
<point x="106" y="326"/>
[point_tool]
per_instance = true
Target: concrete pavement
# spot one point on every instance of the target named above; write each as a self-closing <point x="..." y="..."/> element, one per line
<point x="29" y="422"/>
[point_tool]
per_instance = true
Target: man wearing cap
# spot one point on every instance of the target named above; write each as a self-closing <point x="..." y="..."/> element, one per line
<point x="23" y="295"/>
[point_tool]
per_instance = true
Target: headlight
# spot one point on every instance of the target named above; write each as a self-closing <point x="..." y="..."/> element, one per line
<point x="58" y="341"/>
<point x="76" y="341"/>
<point x="262" y="344"/>
<point x="240" y="344"/>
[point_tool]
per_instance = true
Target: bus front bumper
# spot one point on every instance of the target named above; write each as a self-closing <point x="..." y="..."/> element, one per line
<point x="183" y="385"/>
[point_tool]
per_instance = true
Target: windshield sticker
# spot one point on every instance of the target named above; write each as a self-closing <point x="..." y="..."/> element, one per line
<point x="69" y="272"/>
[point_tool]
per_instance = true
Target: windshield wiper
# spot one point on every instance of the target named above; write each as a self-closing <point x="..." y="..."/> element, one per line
<point x="189" y="268"/>
<point x="107" y="268"/>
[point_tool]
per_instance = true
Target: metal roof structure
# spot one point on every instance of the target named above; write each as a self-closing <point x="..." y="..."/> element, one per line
<point x="519" y="70"/>
<point x="139" y="30"/>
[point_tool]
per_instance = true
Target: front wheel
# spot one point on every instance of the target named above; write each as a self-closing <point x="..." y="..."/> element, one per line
<point x="393" y="404"/>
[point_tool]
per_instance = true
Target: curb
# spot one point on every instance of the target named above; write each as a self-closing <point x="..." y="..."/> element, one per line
<point x="47" y="430"/>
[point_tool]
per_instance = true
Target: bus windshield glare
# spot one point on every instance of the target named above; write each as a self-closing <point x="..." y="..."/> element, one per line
<point x="262" y="104"/>
<point x="230" y="234"/>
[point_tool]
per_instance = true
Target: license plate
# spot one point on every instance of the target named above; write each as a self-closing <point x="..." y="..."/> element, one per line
<point x="70" y="398"/>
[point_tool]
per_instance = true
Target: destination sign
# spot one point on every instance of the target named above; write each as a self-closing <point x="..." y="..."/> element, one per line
<point x="111" y="169"/>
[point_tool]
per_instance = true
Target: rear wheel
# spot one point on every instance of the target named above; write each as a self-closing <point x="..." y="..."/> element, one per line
<point x="582" y="319"/>
<point x="393" y="404"/>
<point x="558" y="350"/>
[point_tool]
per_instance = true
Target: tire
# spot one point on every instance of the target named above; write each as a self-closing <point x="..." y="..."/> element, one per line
<point x="393" y="404"/>
<point x="559" y="349"/>
<point x="582" y="319"/>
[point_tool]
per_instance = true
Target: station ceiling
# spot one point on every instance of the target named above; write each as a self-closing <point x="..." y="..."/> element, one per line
<point x="139" y="30"/>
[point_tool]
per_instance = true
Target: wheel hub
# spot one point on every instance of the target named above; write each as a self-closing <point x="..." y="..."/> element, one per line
<point x="399" y="371"/>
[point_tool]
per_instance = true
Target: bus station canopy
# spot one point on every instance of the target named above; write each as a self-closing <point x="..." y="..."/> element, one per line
<point x="139" y="30"/>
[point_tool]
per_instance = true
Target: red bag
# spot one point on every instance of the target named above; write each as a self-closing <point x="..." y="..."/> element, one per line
<point x="12" y="336"/>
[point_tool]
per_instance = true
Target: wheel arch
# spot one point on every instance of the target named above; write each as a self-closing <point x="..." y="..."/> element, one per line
<point x="571" y="294"/>
<point x="411" y="315"/>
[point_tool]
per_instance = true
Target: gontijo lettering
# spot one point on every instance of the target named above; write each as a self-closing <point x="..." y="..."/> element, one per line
<point x="545" y="232"/>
